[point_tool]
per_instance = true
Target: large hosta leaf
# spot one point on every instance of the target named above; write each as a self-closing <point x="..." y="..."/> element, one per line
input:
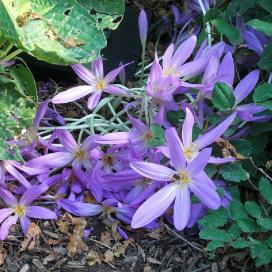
<point x="59" y="32"/>
<point x="107" y="12"/>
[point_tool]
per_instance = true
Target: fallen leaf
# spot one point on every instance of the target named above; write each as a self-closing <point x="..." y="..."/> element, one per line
<point x="76" y="244"/>
<point x="106" y="238"/>
<point x="63" y="223"/>
<point x="108" y="256"/>
<point x="93" y="257"/>
<point x="32" y="237"/>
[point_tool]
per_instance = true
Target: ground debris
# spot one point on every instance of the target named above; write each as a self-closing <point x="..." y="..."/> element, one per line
<point x="32" y="237"/>
<point x="3" y="254"/>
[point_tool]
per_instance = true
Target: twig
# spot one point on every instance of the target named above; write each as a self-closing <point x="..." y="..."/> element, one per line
<point x="183" y="239"/>
<point x="260" y="169"/>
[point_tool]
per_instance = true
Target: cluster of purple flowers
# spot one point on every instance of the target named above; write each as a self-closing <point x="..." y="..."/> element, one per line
<point x="119" y="174"/>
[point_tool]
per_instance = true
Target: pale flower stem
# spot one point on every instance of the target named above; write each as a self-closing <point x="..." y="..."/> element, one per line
<point x="208" y="27"/>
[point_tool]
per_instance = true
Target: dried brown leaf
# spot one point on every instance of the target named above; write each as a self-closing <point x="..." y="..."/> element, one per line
<point x="76" y="244"/>
<point x="63" y="223"/>
<point x="93" y="257"/>
<point x="106" y="238"/>
<point x="32" y="237"/>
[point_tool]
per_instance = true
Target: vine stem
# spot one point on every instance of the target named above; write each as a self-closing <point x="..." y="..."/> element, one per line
<point x="208" y="26"/>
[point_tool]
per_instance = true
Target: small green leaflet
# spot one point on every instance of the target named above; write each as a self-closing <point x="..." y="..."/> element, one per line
<point x="156" y="137"/>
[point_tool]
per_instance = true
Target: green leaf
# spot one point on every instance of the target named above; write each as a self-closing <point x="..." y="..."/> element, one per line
<point x="216" y="218"/>
<point x="265" y="188"/>
<point x="234" y="231"/>
<point x="263" y="92"/>
<point x="156" y="136"/>
<point x="211" y="14"/>
<point x="265" y="62"/>
<point x="261" y="253"/>
<point x="240" y="243"/>
<point x="233" y="172"/>
<point x="266" y="4"/>
<point x="269" y="241"/>
<point x="228" y="30"/>
<point x="266" y="104"/>
<point x="253" y="209"/>
<point x="243" y="147"/>
<point x="237" y="210"/>
<point x="215" y="235"/>
<point x="59" y="32"/>
<point x="248" y="225"/>
<point x="259" y="128"/>
<point x="261" y="26"/>
<point x="16" y="114"/>
<point x="108" y="13"/>
<point x="211" y="246"/>
<point x="223" y="97"/>
<point x="210" y="170"/>
<point x="265" y="223"/>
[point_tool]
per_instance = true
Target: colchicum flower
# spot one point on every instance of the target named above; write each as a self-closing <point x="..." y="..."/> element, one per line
<point x="22" y="209"/>
<point x="97" y="84"/>
<point x="186" y="178"/>
<point x="143" y="27"/>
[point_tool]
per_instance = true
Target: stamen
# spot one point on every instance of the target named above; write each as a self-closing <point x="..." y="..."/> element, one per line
<point x="19" y="210"/>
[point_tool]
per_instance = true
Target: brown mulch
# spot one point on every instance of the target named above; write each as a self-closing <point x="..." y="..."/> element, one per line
<point x="48" y="245"/>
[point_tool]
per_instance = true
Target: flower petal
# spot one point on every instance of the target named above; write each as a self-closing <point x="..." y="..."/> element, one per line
<point x="4" y="229"/>
<point x="205" y="193"/>
<point x="4" y="213"/>
<point x="167" y="57"/>
<point x="72" y="94"/>
<point x="82" y="72"/>
<point x="24" y="221"/>
<point x="187" y="128"/>
<point x="212" y="135"/>
<point x="182" y="208"/>
<point x="12" y="170"/>
<point x="32" y="193"/>
<point x="152" y="170"/>
<point x="112" y="89"/>
<point x="226" y="69"/>
<point x="40" y="213"/>
<point x="67" y="139"/>
<point x="113" y="138"/>
<point x="154" y="206"/>
<point x="80" y="208"/>
<point x="8" y="197"/>
<point x="175" y="149"/>
<point x="246" y="86"/>
<point x="53" y="160"/>
<point x="199" y="162"/>
<point x="93" y="100"/>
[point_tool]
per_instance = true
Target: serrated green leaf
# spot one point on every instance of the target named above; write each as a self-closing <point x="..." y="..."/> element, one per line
<point x="210" y="170"/>
<point x="233" y="172"/>
<point x="228" y="30"/>
<point x="237" y="210"/>
<point x="261" y="253"/>
<point x="234" y="231"/>
<point x="156" y="137"/>
<point x="248" y="225"/>
<point x="223" y="97"/>
<point x="269" y="241"/>
<point x="216" y="218"/>
<point x="215" y="235"/>
<point x="265" y="62"/>
<point x="253" y="209"/>
<point x="240" y="243"/>
<point x="265" y="188"/>
<point x="265" y="223"/>
<point x="261" y="26"/>
<point x="211" y="246"/>
<point x="262" y="93"/>
<point x="243" y="147"/>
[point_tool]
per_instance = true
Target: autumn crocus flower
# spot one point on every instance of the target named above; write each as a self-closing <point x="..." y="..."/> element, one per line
<point x="72" y="152"/>
<point x="22" y="209"/>
<point x="143" y="27"/>
<point x="97" y="84"/>
<point x="191" y="148"/>
<point x="12" y="167"/>
<point x="185" y="178"/>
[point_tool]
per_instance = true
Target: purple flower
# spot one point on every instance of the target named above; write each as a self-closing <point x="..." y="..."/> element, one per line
<point x="9" y="166"/>
<point x="143" y="27"/>
<point x="77" y="154"/>
<point x="97" y="84"/>
<point x="22" y="209"/>
<point x="186" y="178"/>
<point x="191" y="148"/>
